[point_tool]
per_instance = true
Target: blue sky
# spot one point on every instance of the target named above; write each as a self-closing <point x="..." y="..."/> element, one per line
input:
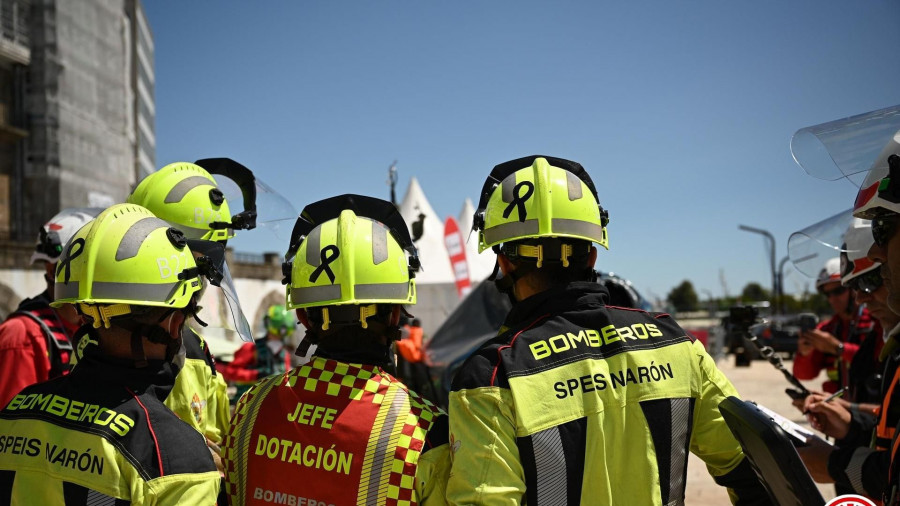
<point x="682" y="112"/>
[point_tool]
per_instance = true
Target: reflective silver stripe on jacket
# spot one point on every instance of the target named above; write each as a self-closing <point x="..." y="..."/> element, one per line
<point x="550" y="462"/>
<point x="681" y="411"/>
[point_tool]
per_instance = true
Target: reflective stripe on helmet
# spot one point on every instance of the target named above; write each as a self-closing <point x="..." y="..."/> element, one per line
<point x="578" y="227"/>
<point x="133" y="291"/>
<point x="573" y="185"/>
<point x="509" y="230"/>
<point x="184" y="186"/>
<point x="313" y="246"/>
<point x="324" y="293"/>
<point x="136" y="235"/>
<point x="113" y="290"/>
<point x="379" y="243"/>
<point x="382" y="291"/>
<point x="201" y="233"/>
<point x="66" y="291"/>
<point x="513" y="230"/>
<point x="310" y="294"/>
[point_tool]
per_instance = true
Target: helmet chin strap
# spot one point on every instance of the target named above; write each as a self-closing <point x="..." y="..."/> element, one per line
<point x="505" y="284"/>
<point x="154" y="333"/>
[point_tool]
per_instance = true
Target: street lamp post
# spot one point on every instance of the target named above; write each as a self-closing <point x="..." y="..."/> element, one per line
<point x="781" y="283"/>
<point x="771" y="240"/>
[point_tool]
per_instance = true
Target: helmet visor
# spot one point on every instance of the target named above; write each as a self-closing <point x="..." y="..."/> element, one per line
<point x="809" y="248"/>
<point x="246" y="193"/>
<point x="220" y="308"/>
<point x="845" y="148"/>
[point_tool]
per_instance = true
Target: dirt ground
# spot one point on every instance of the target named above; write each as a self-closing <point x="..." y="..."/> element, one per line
<point x="762" y="383"/>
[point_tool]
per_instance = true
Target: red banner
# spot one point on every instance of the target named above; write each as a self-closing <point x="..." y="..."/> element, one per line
<point x="456" y="248"/>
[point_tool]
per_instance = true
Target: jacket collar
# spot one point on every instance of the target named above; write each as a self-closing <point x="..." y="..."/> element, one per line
<point x="573" y="295"/>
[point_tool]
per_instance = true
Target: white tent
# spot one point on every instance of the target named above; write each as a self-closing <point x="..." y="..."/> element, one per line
<point x="435" y="283"/>
<point x="480" y="265"/>
<point x="432" y="252"/>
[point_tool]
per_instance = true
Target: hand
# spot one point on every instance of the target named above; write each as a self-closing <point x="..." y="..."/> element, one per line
<point x="804" y="346"/>
<point x="216" y="452"/>
<point x="821" y="340"/>
<point x="815" y="457"/>
<point x="800" y="404"/>
<point x="829" y="418"/>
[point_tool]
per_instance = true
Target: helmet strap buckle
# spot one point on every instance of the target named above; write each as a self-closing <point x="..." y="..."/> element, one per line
<point x="365" y="312"/>
<point x="526" y="250"/>
<point x="103" y="315"/>
<point x="565" y="251"/>
<point x="326" y="320"/>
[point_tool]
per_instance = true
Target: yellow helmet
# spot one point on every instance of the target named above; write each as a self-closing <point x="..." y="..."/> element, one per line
<point x="539" y="197"/>
<point x="187" y="196"/>
<point x="350" y="250"/>
<point x="126" y="257"/>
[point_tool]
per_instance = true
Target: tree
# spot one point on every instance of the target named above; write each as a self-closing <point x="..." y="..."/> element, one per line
<point x="754" y="292"/>
<point x="683" y="297"/>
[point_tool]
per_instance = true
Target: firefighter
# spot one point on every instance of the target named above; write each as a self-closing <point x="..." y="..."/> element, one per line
<point x="833" y="344"/>
<point x="575" y="401"/>
<point x="101" y="434"/>
<point x="872" y="469"/>
<point x="36" y="339"/>
<point x="341" y="424"/>
<point x="187" y="196"/>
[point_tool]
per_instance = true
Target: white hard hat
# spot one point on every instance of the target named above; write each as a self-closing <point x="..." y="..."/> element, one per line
<point x="857" y="242"/>
<point x="830" y="273"/>
<point x="880" y="191"/>
<point x="58" y="230"/>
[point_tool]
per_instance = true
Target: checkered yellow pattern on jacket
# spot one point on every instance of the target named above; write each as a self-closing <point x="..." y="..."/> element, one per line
<point x="398" y="432"/>
<point x="237" y="441"/>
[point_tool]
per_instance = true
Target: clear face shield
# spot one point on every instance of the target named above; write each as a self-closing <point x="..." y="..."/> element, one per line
<point x="808" y="249"/>
<point x="845" y="148"/>
<point x="220" y="309"/>
<point x="247" y="195"/>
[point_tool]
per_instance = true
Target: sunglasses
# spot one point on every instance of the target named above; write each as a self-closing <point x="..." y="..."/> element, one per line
<point x="835" y="292"/>
<point x="868" y="282"/>
<point x="883" y="228"/>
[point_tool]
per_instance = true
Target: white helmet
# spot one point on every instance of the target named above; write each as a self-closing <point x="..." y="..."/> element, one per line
<point x="880" y="191"/>
<point x="58" y="230"/>
<point x="830" y="273"/>
<point x="857" y="241"/>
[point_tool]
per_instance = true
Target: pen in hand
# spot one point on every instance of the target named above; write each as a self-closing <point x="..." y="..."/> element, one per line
<point x="830" y="398"/>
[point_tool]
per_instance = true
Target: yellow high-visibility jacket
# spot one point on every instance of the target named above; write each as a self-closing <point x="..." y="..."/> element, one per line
<point x="578" y="402"/>
<point x="101" y="435"/>
<point x="199" y="396"/>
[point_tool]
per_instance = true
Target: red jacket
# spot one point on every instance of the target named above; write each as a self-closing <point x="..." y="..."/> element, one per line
<point x="24" y="358"/>
<point x="808" y="367"/>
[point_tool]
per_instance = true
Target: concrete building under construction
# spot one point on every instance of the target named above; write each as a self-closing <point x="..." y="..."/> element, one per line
<point x="76" y="109"/>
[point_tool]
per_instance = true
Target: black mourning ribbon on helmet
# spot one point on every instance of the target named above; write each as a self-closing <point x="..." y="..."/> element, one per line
<point x="328" y="255"/>
<point x="71" y="254"/>
<point x="519" y="200"/>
